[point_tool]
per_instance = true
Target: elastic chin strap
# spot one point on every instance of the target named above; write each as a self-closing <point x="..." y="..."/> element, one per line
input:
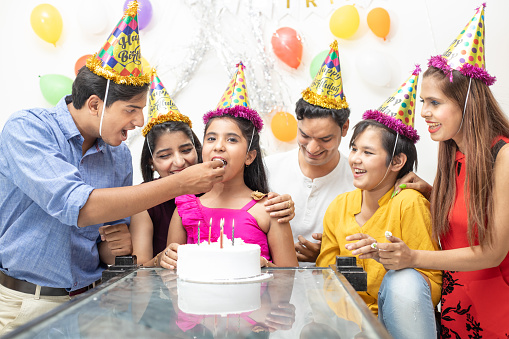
<point x="390" y="162"/>
<point x="104" y="108"/>
<point x="248" y="147"/>
<point x="465" y="107"/>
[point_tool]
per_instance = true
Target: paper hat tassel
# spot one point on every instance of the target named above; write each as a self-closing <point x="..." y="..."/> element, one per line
<point x="466" y="52"/>
<point x="161" y="107"/>
<point x="398" y="111"/>
<point x="119" y="59"/>
<point x="234" y="101"/>
<point x="326" y="90"/>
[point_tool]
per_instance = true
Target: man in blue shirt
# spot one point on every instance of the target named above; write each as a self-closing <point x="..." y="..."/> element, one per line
<point x="65" y="174"/>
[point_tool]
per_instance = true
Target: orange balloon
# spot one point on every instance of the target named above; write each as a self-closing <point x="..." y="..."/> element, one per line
<point x="80" y="63"/>
<point x="284" y="126"/>
<point x="379" y="22"/>
<point x="287" y="46"/>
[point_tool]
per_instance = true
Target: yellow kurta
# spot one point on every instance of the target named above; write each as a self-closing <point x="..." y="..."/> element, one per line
<point x="406" y="215"/>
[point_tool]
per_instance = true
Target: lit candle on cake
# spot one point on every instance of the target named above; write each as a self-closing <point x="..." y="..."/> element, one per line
<point x="210" y="229"/>
<point x="233" y="232"/>
<point x="198" y="233"/>
<point x="221" y="224"/>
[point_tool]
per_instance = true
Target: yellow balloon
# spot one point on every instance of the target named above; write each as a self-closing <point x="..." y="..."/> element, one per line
<point x="46" y="22"/>
<point x="344" y="22"/>
<point x="284" y="126"/>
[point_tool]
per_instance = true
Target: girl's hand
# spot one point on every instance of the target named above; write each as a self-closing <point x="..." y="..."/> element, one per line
<point x="395" y="255"/>
<point x="168" y="257"/>
<point x="366" y="246"/>
<point x="280" y="206"/>
<point x="413" y="181"/>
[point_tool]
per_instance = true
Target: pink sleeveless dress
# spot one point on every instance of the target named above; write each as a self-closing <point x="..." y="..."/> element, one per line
<point x="193" y="212"/>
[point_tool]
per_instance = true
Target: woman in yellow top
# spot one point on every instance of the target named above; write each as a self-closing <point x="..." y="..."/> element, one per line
<point x="383" y="150"/>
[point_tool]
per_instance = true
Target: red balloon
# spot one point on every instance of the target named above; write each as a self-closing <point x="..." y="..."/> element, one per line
<point x="287" y="46"/>
<point x="80" y="63"/>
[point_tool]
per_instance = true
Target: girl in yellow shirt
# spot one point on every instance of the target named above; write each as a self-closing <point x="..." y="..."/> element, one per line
<point x="383" y="150"/>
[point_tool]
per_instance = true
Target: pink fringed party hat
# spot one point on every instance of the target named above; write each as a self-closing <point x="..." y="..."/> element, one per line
<point x="466" y="52"/>
<point x="235" y="102"/>
<point x="398" y="111"/>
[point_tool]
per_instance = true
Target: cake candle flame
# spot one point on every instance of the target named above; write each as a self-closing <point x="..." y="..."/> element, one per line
<point x="210" y="229"/>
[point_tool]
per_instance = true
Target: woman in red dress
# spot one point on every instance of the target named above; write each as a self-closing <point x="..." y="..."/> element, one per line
<point x="470" y="195"/>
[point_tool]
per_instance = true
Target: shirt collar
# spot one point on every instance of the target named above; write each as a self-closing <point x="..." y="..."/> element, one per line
<point x="64" y="118"/>
<point x="357" y="200"/>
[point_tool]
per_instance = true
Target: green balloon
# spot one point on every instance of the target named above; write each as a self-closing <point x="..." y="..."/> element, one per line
<point x="317" y="63"/>
<point x="54" y="87"/>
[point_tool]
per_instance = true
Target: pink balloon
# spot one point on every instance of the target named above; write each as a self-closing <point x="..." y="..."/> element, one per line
<point x="144" y="12"/>
<point x="287" y="46"/>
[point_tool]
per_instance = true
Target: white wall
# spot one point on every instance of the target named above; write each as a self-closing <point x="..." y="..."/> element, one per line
<point x="175" y="40"/>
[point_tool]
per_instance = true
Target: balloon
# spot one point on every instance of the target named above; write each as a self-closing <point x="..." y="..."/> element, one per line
<point x="46" y="22"/>
<point x="54" y="87"/>
<point x="80" y="63"/>
<point x="90" y="19"/>
<point x="144" y="12"/>
<point x="287" y="46"/>
<point x="374" y="68"/>
<point x="317" y="63"/>
<point x="344" y="22"/>
<point x="284" y="126"/>
<point x="379" y="22"/>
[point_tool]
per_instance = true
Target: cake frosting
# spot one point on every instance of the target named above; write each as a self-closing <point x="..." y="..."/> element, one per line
<point x="218" y="299"/>
<point x="208" y="263"/>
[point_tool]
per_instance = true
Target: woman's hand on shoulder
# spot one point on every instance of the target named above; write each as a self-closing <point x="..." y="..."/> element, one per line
<point x="413" y="181"/>
<point x="280" y="206"/>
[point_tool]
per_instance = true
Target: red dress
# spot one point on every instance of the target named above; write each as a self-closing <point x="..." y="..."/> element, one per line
<point x="474" y="304"/>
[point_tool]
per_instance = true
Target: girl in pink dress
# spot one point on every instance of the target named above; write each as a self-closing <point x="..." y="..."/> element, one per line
<point x="232" y="136"/>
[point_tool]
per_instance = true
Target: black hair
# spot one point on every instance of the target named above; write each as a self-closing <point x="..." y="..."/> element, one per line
<point x="87" y="84"/>
<point x="405" y="145"/>
<point x="254" y="175"/>
<point x="152" y="137"/>
<point x="306" y="110"/>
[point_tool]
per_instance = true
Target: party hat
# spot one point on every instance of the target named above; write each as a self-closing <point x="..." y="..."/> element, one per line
<point x="398" y="111"/>
<point x="235" y="102"/>
<point x="119" y="59"/>
<point x="466" y="52"/>
<point x="160" y="106"/>
<point x="326" y="90"/>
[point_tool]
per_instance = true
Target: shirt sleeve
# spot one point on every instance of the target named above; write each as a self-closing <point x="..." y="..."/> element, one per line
<point x="35" y="163"/>
<point x="330" y="247"/>
<point x="416" y="233"/>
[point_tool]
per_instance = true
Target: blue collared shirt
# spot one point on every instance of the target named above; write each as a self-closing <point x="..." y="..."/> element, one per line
<point x="44" y="182"/>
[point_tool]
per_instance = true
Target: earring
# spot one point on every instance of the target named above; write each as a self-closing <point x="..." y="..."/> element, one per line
<point x="152" y="167"/>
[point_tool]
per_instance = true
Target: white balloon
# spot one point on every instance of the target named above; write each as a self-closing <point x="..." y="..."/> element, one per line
<point x="374" y="68"/>
<point x="91" y="18"/>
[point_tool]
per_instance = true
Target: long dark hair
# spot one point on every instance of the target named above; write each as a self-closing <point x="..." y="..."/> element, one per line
<point x="404" y="145"/>
<point x="254" y="175"/>
<point x="151" y="140"/>
<point x="483" y="121"/>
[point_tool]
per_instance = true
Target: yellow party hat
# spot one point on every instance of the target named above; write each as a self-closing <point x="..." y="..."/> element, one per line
<point x="326" y="90"/>
<point x="235" y="102"/>
<point x="466" y="52"/>
<point x="398" y="111"/>
<point x="119" y="59"/>
<point x="161" y="107"/>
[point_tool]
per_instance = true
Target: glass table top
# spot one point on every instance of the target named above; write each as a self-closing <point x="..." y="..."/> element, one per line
<point x="154" y="303"/>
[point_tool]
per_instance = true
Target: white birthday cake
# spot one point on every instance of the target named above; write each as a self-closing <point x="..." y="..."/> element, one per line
<point x="221" y="299"/>
<point x="209" y="263"/>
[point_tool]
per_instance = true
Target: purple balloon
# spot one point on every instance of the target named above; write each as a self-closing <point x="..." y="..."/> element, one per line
<point x="144" y="12"/>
